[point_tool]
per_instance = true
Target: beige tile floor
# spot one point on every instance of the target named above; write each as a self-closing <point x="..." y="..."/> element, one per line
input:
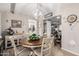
<point x="57" y="51"/>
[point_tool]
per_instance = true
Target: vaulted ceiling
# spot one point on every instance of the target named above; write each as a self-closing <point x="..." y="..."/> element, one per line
<point x="4" y="7"/>
<point x="28" y="9"/>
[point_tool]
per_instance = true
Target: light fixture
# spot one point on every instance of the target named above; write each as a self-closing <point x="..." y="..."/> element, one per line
<point x="37" y="13"/>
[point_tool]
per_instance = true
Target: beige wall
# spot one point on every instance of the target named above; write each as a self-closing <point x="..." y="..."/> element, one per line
<point x="40" y="25"/>
<point x="70" y="34"/>
<point x="0" y="23"/>
<point x="8" y="16"/>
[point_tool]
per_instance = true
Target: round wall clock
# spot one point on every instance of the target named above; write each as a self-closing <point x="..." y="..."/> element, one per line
<point x="72" y="18"/>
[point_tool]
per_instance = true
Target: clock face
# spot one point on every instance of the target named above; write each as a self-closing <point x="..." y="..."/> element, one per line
<point x="72" y="18"/>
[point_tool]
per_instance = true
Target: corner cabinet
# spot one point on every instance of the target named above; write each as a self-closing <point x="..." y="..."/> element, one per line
<point x="8" y="43"/>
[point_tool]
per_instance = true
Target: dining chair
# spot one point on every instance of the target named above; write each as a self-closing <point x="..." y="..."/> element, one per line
<point x="46" y="48"/>
<point x="15" y="49"/>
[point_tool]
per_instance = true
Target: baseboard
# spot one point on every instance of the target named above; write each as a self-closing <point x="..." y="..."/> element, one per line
<point x="77" y="54"/>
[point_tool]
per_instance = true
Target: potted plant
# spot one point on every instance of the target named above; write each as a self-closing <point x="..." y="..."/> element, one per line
<point x="33" y="38"/>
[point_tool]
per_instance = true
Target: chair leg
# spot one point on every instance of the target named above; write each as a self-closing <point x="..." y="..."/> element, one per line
<point x="31" y="53"/>
<point x="21" y="51"/>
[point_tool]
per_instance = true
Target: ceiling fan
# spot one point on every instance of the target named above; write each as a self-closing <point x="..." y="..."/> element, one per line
<point x="12" y="7"/>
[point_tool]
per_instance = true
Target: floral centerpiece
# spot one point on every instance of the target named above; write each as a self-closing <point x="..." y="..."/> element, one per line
<point x="33" y="38"/>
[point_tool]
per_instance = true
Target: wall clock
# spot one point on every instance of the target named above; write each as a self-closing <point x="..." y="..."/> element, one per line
<point x="72" y="18"/>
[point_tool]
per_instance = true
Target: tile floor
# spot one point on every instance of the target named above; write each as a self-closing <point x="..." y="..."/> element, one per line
<point x="57" y="51"/>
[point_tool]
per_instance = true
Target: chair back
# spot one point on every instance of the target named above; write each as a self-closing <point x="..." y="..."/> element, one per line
<point x="47" y="45"/>
<point x="12" y="38"/>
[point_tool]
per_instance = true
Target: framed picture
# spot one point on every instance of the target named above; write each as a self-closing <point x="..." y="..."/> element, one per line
<point x="16" y="23"/>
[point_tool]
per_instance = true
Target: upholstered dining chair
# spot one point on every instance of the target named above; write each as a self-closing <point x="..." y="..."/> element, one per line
<point x="46" y="48"/>
<point x="15" y="49"/>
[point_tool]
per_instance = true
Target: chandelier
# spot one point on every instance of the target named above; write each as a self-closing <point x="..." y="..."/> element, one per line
<point x="37" y="13"/>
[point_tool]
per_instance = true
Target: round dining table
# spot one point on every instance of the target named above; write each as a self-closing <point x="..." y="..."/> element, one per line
<point x="31" y="44"/>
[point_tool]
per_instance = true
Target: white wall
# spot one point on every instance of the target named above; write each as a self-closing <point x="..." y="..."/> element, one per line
<point x="40" y="25"/>
<point x="8" y="16"/>
<point x="0" y="23"/>
<point x="70" y="34"/>
<point x="48" y="28"/>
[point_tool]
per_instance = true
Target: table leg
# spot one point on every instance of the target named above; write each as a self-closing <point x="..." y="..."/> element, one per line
<point x="31" y="53"/>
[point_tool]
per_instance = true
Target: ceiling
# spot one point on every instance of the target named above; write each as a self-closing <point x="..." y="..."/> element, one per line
<point x="25" y="8"/>
<point x="4" y="7"/>
<point x="28" y="9"/>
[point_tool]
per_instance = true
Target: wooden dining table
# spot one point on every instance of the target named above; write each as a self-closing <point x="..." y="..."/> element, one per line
<point x="31" y="44"/>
